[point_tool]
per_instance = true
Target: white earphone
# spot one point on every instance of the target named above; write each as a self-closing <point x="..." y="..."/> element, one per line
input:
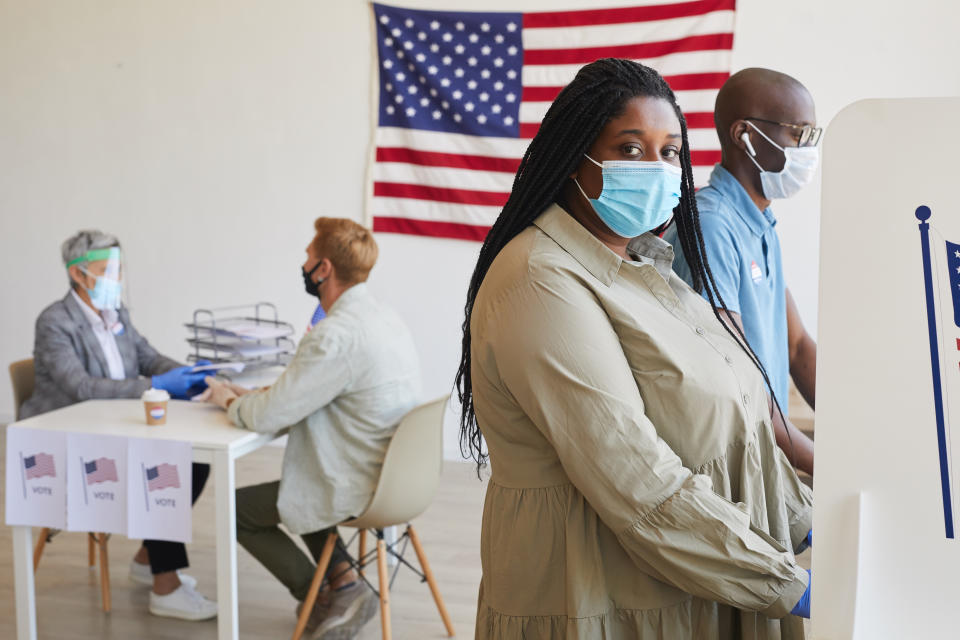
<point x="746" y="140"/>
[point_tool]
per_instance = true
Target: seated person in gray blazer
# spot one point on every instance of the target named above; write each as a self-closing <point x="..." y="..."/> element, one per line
<point x="86" y="347"/>
<point x="354" y="376"/>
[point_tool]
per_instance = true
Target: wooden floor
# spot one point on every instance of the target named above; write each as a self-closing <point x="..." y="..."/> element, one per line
<point x="68" y="594"/>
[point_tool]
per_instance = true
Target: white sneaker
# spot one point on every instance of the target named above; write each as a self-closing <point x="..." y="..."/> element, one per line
<point x="183" y="603"/>
<point x="140" y="574"/>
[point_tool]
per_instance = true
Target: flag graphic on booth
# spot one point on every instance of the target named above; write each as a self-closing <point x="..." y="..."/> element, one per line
<point x="100" y="470"/>
<point x="953" y="260"/>
<point x="162" y="476"/>
<point x="941" y="273"/>
<point x="461" y="93"/>
<point x="39" y="465"/>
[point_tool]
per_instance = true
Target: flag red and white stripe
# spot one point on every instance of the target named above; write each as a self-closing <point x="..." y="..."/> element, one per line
<point x="446" y="184"/>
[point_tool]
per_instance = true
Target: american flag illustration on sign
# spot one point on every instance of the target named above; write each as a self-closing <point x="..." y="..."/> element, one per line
<point x="461" y="94"/>
<point x="100" y="470"/>
<point x="39" y="465"/>
<point x="162" y="476"/>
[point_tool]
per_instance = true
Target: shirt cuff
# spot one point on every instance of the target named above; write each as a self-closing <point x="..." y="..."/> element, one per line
<point x="233" y="412"/>
<point x="801" y="517"/>
<point x="790" y="595"/>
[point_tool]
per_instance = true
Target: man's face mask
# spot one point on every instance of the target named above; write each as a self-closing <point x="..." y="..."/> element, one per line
<point x="312" y="288"/>
<point x="799" y="167"/>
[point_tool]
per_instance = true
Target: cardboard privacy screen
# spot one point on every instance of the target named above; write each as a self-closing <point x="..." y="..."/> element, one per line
<point x="886" y="552"/>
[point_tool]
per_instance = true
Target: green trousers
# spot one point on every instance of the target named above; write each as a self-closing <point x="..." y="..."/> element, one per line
<point x="259" y="533"/>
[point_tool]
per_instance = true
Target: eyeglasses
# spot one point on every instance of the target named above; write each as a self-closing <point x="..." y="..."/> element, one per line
<point x="809" y="136"/>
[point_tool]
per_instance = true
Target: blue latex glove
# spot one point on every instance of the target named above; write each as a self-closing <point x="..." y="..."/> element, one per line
<point x="802" y="608"/>
<point x="180" y="382"/>
<point x="806" y="543"/>
<point x="199" y="388"/>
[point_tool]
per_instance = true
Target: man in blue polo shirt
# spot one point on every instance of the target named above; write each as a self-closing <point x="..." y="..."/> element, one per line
<point x="766" y="124"/>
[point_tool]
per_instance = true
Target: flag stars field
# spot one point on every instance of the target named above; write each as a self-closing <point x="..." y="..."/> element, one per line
<point x="432" y="44"/>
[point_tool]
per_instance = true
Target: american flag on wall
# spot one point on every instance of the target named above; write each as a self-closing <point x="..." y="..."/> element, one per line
<point x="162" y="476"/>
<point x="461" y="94"/>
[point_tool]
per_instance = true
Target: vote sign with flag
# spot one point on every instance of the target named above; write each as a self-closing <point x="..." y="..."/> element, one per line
<point x="159" y="504"/>
<point x="461" y="94"/>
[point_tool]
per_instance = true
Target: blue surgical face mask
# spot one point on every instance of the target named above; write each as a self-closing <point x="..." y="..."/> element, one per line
<point x="106" y="293"/>
<point x="637" y="196"/>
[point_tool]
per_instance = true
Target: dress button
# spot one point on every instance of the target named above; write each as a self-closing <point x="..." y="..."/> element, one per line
<point x="728" y="359"/>
<point x="746" y="398"/>
<point x="700" y="331"/>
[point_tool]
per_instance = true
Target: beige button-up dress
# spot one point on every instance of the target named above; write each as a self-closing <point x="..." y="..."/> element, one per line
<point x="637" y="490"/>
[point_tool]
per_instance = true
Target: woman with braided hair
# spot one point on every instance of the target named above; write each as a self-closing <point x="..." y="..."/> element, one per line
<point x="636" y="489"/>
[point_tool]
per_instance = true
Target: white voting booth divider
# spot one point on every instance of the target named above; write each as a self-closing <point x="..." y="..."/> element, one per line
<point x="885" y="562"/>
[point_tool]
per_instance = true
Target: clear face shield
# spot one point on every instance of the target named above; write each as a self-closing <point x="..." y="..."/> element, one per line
<point x="104" y="271"/>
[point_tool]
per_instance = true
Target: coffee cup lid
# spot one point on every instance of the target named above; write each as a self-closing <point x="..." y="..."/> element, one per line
<point x="155" y="395"/>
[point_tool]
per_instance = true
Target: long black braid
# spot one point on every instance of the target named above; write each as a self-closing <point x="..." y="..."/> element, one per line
<point x="597" y="94"/>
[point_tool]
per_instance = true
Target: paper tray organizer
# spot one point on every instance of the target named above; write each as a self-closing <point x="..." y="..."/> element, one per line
<point x="251" y="334"/>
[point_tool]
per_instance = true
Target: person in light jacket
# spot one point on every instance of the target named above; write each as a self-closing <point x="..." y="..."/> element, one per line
<point x="353" y="377"/>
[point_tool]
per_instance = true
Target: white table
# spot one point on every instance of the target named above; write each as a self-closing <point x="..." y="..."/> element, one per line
<point x="215" y="441"/>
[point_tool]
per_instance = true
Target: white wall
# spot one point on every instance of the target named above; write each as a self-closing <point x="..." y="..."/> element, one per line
<point x="208" y="135"/>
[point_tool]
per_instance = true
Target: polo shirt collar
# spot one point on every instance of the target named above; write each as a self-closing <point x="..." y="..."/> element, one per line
<point x="730" y="188"/>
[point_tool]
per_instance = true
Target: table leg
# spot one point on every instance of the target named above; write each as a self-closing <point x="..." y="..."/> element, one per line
<point x="23" y="584"/>
<point x="223" y="468"/>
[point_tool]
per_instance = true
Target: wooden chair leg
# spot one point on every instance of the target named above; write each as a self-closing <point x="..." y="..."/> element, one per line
<point x="104" y="573"/>
<point x="361" y="550"/>
<point x="384" y="589"/>
<point x="91" y="550"/>
<point x="428" y="574"/>
<point x="38" y="550"/>
<point x="322" y="565"/>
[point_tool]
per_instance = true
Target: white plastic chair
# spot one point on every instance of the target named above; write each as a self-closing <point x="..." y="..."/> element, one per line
<point x="408" y="482"/>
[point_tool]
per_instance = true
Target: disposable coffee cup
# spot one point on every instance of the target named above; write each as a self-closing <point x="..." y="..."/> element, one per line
<point x="155" y="406"/>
